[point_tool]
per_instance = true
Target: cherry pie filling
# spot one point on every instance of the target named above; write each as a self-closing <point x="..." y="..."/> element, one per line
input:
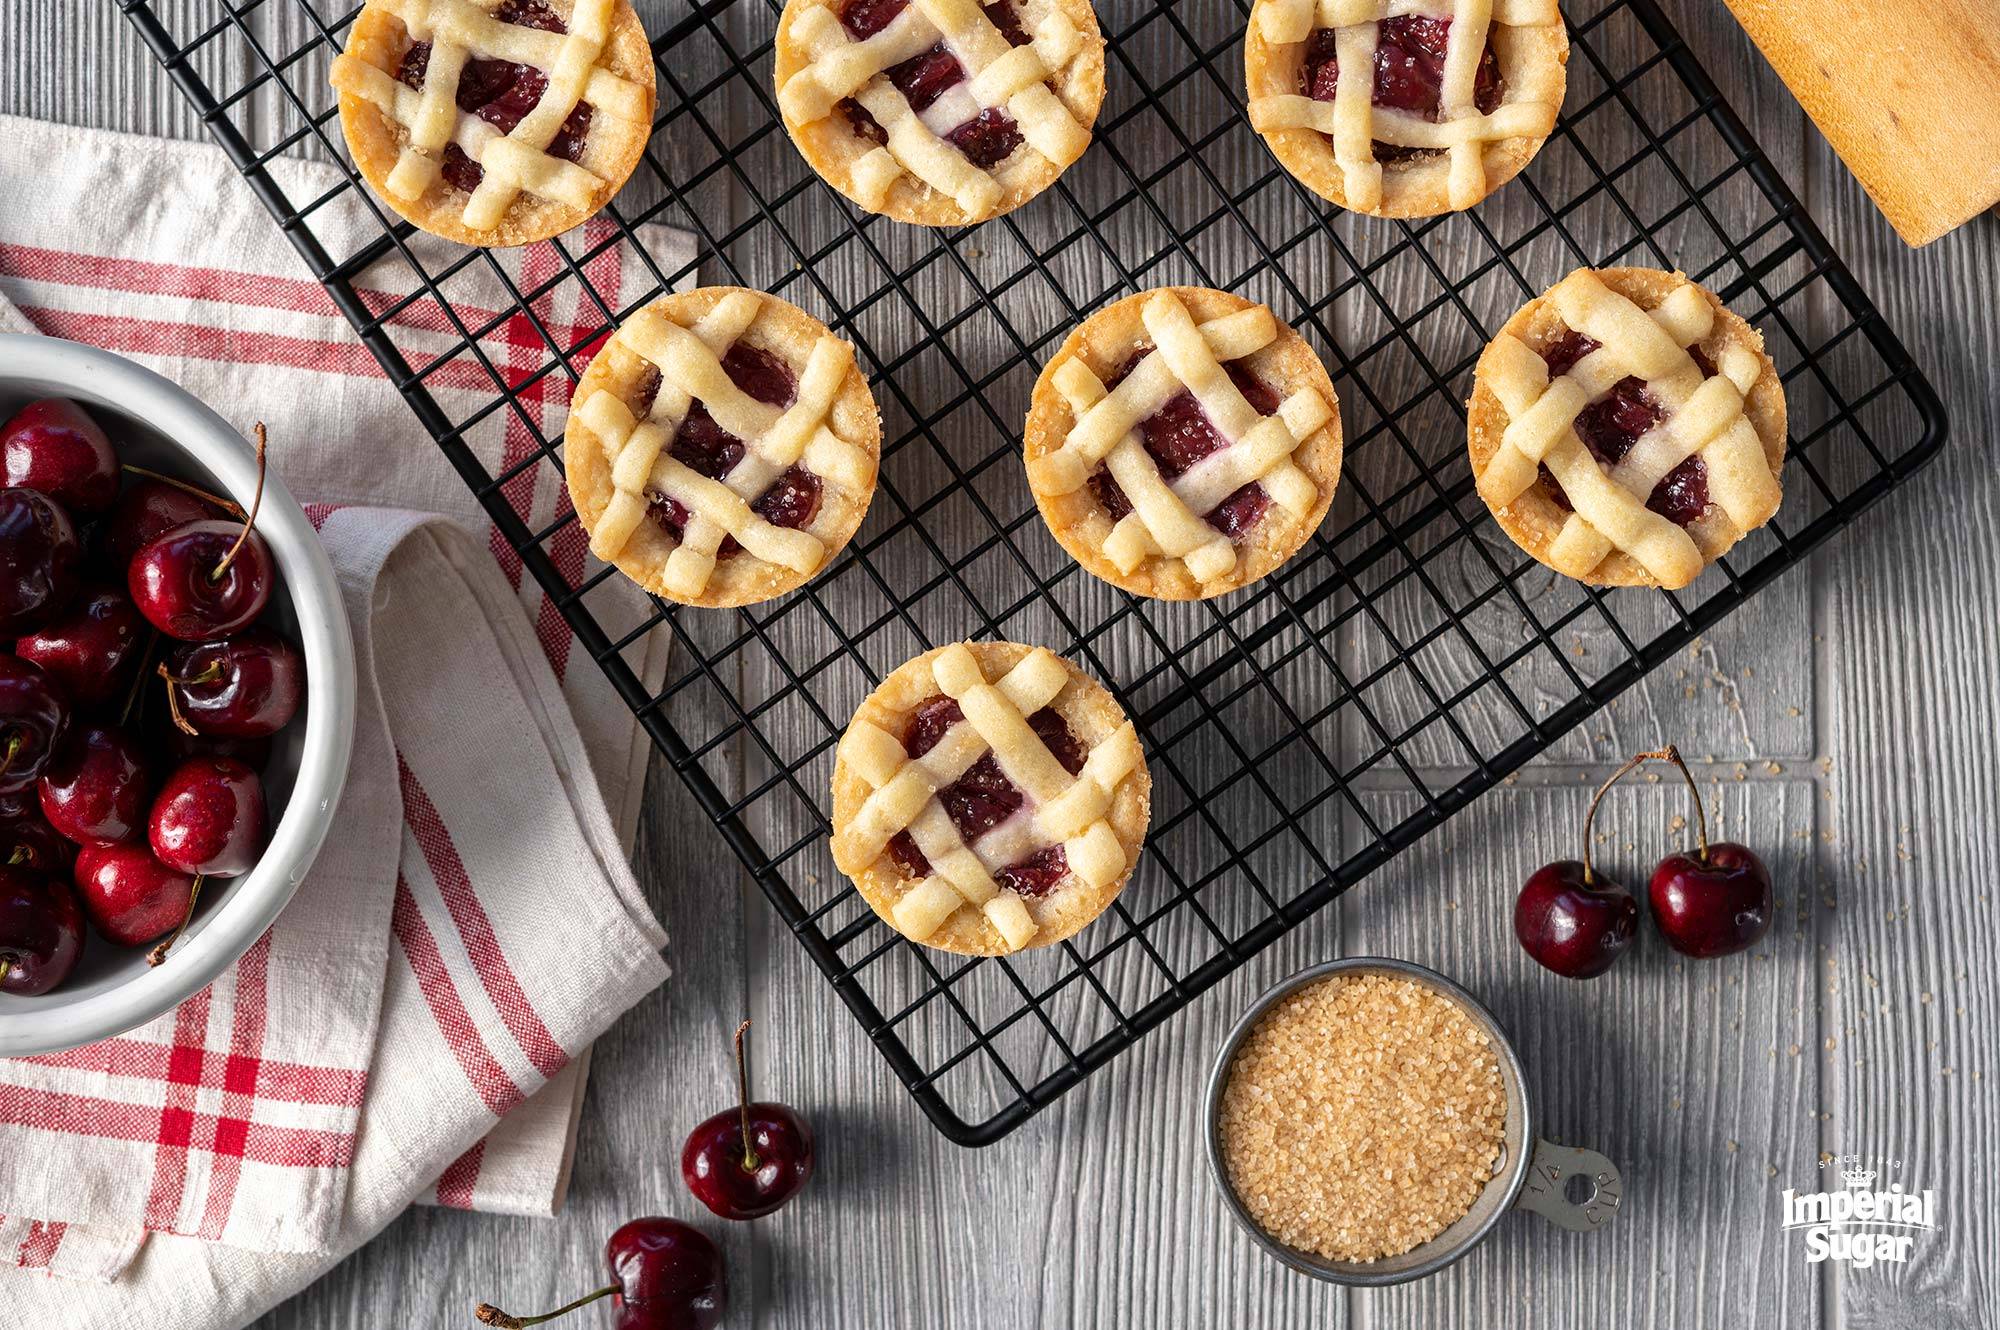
<point x="1410" y="52"/>
<point x="987" y="139"/>
<point x="1613" y="423"/>
<point x="704" y="447"/>
<point x="983" y="797"/>
<point x="501" y="93"/>
<point x="1180" y="434"/>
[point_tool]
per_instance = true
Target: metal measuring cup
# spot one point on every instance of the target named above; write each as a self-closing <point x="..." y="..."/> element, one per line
<point x="1573" y="1188"/>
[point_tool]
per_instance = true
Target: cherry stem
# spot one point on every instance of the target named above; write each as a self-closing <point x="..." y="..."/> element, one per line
<point x="181" y="722"/>
<point x="1673" y="755"/>
<point x="488" y="1314"/>
<point x="159" y="954"/>
<point x="14" y="745"/>
<point x="249" y="522"/>
<point x="5" y="966"/>
<point x="229" y="506"/>
<point x="1667" y="754"/>
<point x="743" y="1097"/>
<point x="18" y="857"/>
<point x="139" y="679"/>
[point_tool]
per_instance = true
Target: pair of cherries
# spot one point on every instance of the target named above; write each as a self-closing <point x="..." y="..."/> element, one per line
<point x="101" y="816"/>
<point x="742" y="1163"/>
<point x="1714" y="902"/>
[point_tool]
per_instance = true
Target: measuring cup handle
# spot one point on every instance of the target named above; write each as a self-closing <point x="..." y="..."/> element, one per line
<point x="1546" y="1190"/>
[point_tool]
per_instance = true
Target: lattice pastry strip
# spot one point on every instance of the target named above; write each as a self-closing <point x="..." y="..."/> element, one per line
<point x="1353" y="123"/>
<point x="1060" y="808"/>
<point x="1167" y="516"/>
<point x="821" y="65"/>
<point x="1700" y="414"/>
<point x="517" y="161"/>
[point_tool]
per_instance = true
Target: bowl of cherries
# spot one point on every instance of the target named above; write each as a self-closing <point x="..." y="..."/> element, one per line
<point x="176" y="695"/>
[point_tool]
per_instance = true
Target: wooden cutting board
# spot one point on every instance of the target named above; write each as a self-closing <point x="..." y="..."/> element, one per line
<point x="1906" y="91"/>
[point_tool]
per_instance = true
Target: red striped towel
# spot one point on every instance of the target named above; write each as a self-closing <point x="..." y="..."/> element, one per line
<point x="416" y="1025"/>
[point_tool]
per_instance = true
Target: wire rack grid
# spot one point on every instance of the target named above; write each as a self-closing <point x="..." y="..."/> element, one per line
<point x="1300" y="733"/>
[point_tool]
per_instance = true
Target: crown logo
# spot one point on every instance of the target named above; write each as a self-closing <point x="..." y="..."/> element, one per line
<point x="1857" y="1176"/>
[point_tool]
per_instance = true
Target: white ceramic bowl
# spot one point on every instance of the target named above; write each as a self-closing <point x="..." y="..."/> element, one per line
<point x="157" y="424"/>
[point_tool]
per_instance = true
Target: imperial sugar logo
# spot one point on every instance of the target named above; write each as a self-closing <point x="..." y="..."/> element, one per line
<point x="1862" y="1223"/>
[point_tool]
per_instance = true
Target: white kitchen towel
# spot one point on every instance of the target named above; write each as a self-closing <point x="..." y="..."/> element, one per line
<point x="188" y="275"/>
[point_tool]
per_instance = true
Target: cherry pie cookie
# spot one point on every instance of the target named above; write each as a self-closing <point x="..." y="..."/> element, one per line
<point x="1183" y="443"/>
<point x="1626" y="429"/>
<point x="988" y="797"/>
<point x="496" y="122"/>
<point x="721" y="447"/>
<point x="940" y="112"/>
<point x="1405" y="108"/>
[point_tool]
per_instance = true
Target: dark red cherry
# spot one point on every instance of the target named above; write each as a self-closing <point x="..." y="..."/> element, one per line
<point x="664" y="1276"/>
<point x="131" y="897"/>
<point x="54" y="446"/>
<point x="209" y="818"/>
<point x="147" y="510"/>
<point x="32" y="717"/>
<point x="987" y="139"/>
<point x="1574" y="921"/>
<point x="1712" y="904"/>
<point x="188" y="584"/>
<point x="244" y="687"/>
<point x="30" y="842"/>
<point x="39" y="560"/>
<point x="747" y="1160"/>
<point x="41" y="931"/>
<point x="96" y="786"/>
<point x="171" y="746"/>
<point x="92" y="649"/>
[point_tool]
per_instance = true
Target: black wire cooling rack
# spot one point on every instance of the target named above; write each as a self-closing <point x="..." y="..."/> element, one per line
<point x="1301" y="732"/>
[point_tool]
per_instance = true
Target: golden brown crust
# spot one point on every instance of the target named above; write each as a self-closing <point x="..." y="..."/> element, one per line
<point x="788" y="332"/>
<point x="830" y="145"/>
<point x="1091" y="713"/>
<point x="1533" y="65"/>
<point x="1534" y="519"/>
<point x="1079" y="522"/>
<point x="376" y="142"/>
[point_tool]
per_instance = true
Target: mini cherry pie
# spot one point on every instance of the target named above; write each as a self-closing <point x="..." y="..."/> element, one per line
<point x="496" y="122"/>
<point x="940" y="112"/>
<point x="988" y="797"/>
<point x="1626" y="428"/>
<point x="1405" y="108"/>
<point x="1183" y="443"/>
<point x="721" y="447"/>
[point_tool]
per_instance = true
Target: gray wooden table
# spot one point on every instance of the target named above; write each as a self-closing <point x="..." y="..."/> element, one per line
<point x="1854" y="743"/>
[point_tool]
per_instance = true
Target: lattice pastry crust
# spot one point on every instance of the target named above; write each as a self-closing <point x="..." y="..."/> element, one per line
<point x="1328" y="145"/>
<point x="1520" y="420"/>
<point x="618" y="451"/>
<point x="1163" y="547"/>
<point x="398" y="135"/>
<point x="1052" y="88"/>
<point x="1098" y="815"/>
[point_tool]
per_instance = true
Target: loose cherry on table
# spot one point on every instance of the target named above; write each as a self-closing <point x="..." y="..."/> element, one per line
<point x="665" y="1276"/>
<point x="39" y="559"/>
<point x="208" y="818"/>
<point x="96" y="786"/>
<point x="242" y="687"/>
<point x="92" y="649"/>
<point x="132" y="897"/>
<point x="32" y="718"/>
<point x="1571" y="918"/>
<point x="41" y="931"/>
<point x="54" y="446"/>
<point x="1715" y="901"/>
<point x="207" y="578"/>
<point x="747" y="1161"/>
